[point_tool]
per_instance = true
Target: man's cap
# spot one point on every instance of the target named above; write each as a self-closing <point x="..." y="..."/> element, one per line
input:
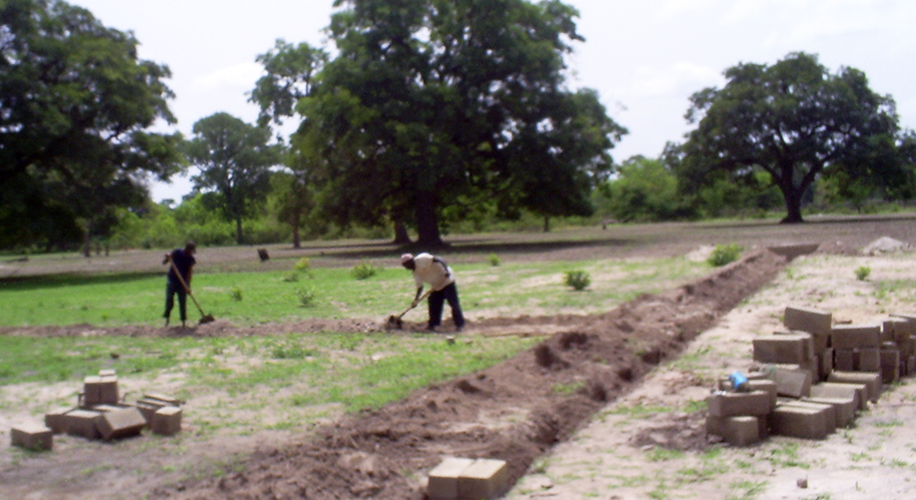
<point x="407" y="257"/>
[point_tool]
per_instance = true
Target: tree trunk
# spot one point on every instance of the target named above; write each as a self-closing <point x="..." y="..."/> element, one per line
<point x="400" y="234"/>
<point x="427" y="225"/>
<point x="238" y="231"/>
<point x="87" y="242"/>
<point x="546" y="224"/>
<point x="793" y="205"/>
<point x="297" y="241"/>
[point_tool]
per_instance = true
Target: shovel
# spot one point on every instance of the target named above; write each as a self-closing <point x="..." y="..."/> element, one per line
<point x="395" y="321"/>
<point x="204" y="318"/>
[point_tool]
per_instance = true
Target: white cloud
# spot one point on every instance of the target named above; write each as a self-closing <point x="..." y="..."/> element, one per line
<point x="236" y="76"/>
<point x="674" y="80"/>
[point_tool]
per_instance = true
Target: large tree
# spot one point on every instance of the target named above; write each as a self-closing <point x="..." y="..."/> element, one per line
<point x="76" y="104"/>
<point x="438" y="103"/>
<point x="234" y="159"/>
<point x="795" y="121"/>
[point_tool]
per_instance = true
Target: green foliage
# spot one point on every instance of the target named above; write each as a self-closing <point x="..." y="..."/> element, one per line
<point x="494" y="260"/>
<point x="363" y="270"/>
<point x="578" y="280"/>
<point x="306" y="296"/>
<point x="724" y="254"/>
<point x="236" y="293"/>
<point x="643" y="190"/>
<point x="783" y="119"/>
<point x="862" y="272"/>
<point x="77" y="106"/>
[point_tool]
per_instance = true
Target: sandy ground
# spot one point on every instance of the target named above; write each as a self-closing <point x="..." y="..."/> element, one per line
<point x="625" y="453"/>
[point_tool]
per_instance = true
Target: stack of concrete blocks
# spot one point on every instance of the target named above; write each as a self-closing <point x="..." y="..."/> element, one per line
<point x="739" y="417"/>
<point x="101" y="415"/>
<point x="468" y="479"/>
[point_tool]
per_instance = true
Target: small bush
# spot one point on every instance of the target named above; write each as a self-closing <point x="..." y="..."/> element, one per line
<point x="494" y="260"/>
<point x="363" y="271"/>
<point x="236" y="293"/>
<point x="306" y="297"/>
<point x="724" y="254"/>
<point x="578" y="280"/>
<point x="862" y="272"/>
<point x="303" y="265"/>
<point x="291" y="277"/>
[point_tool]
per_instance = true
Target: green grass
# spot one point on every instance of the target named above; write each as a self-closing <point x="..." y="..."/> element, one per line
<point x="250" y="298"/>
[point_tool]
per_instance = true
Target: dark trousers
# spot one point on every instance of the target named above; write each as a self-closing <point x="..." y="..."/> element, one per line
<point x="170" y="290"/>
<point x="436" y="299"/>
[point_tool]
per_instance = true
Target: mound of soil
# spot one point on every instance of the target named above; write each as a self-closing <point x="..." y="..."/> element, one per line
<point x="514" y="411"/>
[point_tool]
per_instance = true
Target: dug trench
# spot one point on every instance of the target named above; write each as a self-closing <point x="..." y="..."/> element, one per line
<point x="515" y="411"/>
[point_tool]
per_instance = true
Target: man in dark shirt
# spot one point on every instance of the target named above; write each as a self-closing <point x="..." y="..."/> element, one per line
<point x="182" y="260"/>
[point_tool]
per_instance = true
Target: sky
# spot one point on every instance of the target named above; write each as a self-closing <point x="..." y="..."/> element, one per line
<point x="643" y="57"/>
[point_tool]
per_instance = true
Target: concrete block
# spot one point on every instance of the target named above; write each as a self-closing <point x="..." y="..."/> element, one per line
<point x="871" y="380"/>
<point x="825" y="363"/>
<point x="485" y="479"/>
<point x="100" y="390"/>
<point x="845" y="408"/>
<point x="166" y="421"/>
<point x="765" y="385"/>
<point x="732" y="404"/>
<point x="808" y="320"/>
<point x="82" y="423"/>
<point x="792" y="251"/>
<point x="794" y="382"/>
<point x="868" y="360"/>
<point x="108" y="373"/>
<point x="151" y="403"/>
<point x="857" y="392"/>
<point x="812" y="347"/>
<point x="855" y="336"/>
<point x="896" y="330"/>
<point x="828" y="412"/>
<point x="120" y="423"/>
<point x="56" y="420"/>
<point x="737" y="431"/>
<point x="844" y="359"/>
<point x="800" y="422"/>
<point x="162" y="398"/>
<point x="443" y="479"/>
<point x="890" y="365"/>
<point x="783" y="348"/>
<point x="32" y="437"/>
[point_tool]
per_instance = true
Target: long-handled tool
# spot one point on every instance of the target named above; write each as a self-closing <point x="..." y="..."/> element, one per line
<point x="395" y="321"/>
<point x="204" y="318"/>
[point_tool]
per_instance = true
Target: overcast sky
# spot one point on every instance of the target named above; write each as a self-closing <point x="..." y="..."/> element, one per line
<point x="644" y="57"/>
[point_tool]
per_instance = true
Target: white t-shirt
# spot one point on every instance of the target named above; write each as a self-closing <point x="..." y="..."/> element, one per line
<point x="431" y="270"/>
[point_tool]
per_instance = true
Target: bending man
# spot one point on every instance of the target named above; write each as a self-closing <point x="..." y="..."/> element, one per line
<point x="433" y="271"/>
<point x="182" y="259"/>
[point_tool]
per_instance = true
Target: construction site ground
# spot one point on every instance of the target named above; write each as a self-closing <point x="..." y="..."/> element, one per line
<point x="631" y="428"/>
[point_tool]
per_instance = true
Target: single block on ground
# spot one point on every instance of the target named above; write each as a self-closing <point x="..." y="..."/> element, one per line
<point x="121" y="423"/>
<point x="166" y="421"/>
<point x="737" y="431"/>
<point x="485" y="479"/>
<point x="32" y="437"/>
<point x="443" y="480"/>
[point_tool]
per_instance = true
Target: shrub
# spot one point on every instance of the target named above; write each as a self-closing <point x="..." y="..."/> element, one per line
<point x="578" y="280"/>
<point x="306" y="297"/>
<point x="494" y="260"/>
<point x="724" y="254"/>
<point x="304" y="265"/>
<point x="291" y="277"/>
<point x="363" y="271"/>
<point x="862" y="272"/>
<point x="236" y="293"/>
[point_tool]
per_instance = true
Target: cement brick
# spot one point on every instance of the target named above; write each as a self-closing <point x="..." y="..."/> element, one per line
<point x="890" y="365"/>
<point x="845" y="408"/>
<point x="32" y="437"/>
<point x="793" y="421"/>
<point x="871" y="380"/>
<point x="794" y="382"/>
<point x="765" y="385"/>
<point x="162" y="398"/>
<point x="857" y="392"/>
<point x="896" y="330"/>
<point x="825" y="363"/>
<point x="120" y="423"/>
<point x="737" y="431"/>
<point x="100" y="390"/>
<point x="844" y="359"/>
<point x="166" y="421"/>
<point x="82" y="423"/>
<point x="485" y="479"/>
<point x="783" y="348"/>
<point x="56" y="420"/>
<point x="868" y="360"/>
<point x="732" y="404"/>
<point x="808" y="320"/>
<point x="855" y="336"/>
<point x="828" y="412"/>
<point x="443" y="480"/>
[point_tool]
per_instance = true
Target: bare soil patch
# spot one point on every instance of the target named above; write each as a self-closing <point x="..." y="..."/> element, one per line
<point x="521" y="411"/>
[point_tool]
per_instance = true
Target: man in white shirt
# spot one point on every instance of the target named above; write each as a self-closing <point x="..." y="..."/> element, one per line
<point x="431" y="270"/>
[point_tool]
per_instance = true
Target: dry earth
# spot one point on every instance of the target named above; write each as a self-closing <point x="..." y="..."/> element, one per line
<point x="626" y="433"/>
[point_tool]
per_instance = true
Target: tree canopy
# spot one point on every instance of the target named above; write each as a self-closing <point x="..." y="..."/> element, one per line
<point x="234" y="159"/>
<point x="795" y="121"/>
<point x="76" y="104"/>
<point x="453" y="103"/>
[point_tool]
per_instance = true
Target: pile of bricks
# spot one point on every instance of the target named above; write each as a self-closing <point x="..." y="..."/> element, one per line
<point x="100" y="414"/>
<point x="812" y="377"/>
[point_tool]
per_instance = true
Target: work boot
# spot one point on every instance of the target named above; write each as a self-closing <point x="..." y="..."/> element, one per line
<point x="166" y="322"/>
